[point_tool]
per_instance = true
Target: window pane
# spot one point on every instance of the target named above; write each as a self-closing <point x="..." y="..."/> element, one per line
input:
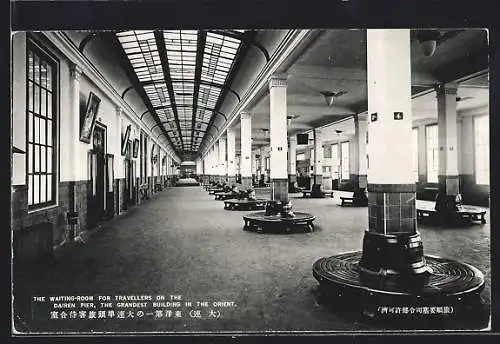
<point x="30" y="160"/>
<point x="43" y="189"/>
<point x="37" y="159"/>
<point x="30" y="189"/>
<point x="44" y="74"/>
<point x="49" y="159"/>
<point x="49" y="188"/>
<point x="415" y="153"/>
<point x="49" y="77"/>
<point x="49" y="133"/>
<point x="345" y="160"/>
<point x="432" y="153"/>
<point x="37" y="99"/>
<point x="43" y="161"/>
<point x="37" y="69"/>
<point x="42" y="131"/>
<point x="30" y="65"/>
<point x="37" y="130"/>
<point x="481" y="150"/>
<point x="30" y="96"/>
<point x="49" y="104"/>
<point x="43" y="105"/>
<point x="30" y="127"/>
<point x="36" y="189"/>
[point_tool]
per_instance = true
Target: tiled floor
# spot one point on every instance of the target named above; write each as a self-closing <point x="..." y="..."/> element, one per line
<point x="182" y="242"/>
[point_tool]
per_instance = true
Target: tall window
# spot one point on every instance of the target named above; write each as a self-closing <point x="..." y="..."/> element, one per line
<point x="335" y="161"/>
<point x="327" y="152"/>
<point x="431" y="135"/>
<point x="301" y="156"/>
<point x="482" y="150"/>
<point x="414" y="152"/>
<point x="41" y="116"/>
<point x="344" y="153"/>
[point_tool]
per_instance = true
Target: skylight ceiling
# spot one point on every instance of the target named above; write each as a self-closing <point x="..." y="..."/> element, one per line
<point x="183" y="73"/>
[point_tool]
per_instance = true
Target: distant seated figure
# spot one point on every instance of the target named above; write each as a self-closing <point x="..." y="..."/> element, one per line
<point x="262" y="181"/>
<point x="272" y="208"/>
<point x="250" y="194"/>
<point x="317" y="190"/>
<point x="359" y="193"/>
<point x="448" y="203"/>
<point x="286" y="210"/>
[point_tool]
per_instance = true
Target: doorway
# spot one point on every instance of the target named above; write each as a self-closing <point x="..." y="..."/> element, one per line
<point x="129" y="190"/>
<point x="97" y="195"/>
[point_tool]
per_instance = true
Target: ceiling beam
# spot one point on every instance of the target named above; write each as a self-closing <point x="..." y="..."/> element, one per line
<point x="162" y="51"/>
<point x="202" y="38"/>
<point x="130" y="73"/>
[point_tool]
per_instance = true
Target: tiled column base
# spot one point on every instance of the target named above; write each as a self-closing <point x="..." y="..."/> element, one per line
<point x="292" y="179"/>
<point x="391" y="208"/>
<point x="279" y="189"/>
<point x="246" y="182"/>
<point x="448" y="189"/>
<point x="362" y="181"/>
<point x="392" y="246"/>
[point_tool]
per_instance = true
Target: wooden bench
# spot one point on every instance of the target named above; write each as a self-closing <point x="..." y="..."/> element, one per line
<point x="425" y="209"/>
<point x="144" y="191"/>
<point x="353" y="201"/>
<point x="220" y="196"/>
<point x="308" y="193"/>
<point x="158" y="187"/>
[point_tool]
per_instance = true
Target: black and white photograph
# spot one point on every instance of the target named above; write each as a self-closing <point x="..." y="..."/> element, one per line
<point x="250" y="180"/>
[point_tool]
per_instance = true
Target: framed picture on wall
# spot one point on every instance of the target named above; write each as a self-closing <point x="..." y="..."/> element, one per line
<point x="88" y="120"/>
<point x="136" y="148"/>
<point x="125" y="139"/>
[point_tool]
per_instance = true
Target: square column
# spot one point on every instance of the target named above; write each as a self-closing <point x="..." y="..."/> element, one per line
<point x="447" y="137"/>
<point x="360" y="161"/>
<point x="392" y="245"/>
<point x="318" y="158"/>
<point x="77" y="173"/>
<point x="222" y="158"/>
<point x="292" y="161"/>
<point x="217" y="161"/>
<point x="246" y="149"/>
<point x="279" y="142"/>
<point x="254" y="164"/>
<point x="231" y="156"/>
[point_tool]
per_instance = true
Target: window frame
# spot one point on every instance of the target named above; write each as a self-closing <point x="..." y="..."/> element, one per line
<point x="417" y="172"/>
<point x="474" y="150"/>
<point x="427" y="154"/>
<point x="40" y="48"/>
<point x="342" y="160"/>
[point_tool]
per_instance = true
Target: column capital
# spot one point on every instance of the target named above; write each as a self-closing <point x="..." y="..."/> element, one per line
<point x="245" y="115"/>
<point x="278" y="81"/>
<point x="119" y="111"/>
<point x="360" y="117"/>
<point x="442" y="89"/>
<point x="75" y="72"/>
